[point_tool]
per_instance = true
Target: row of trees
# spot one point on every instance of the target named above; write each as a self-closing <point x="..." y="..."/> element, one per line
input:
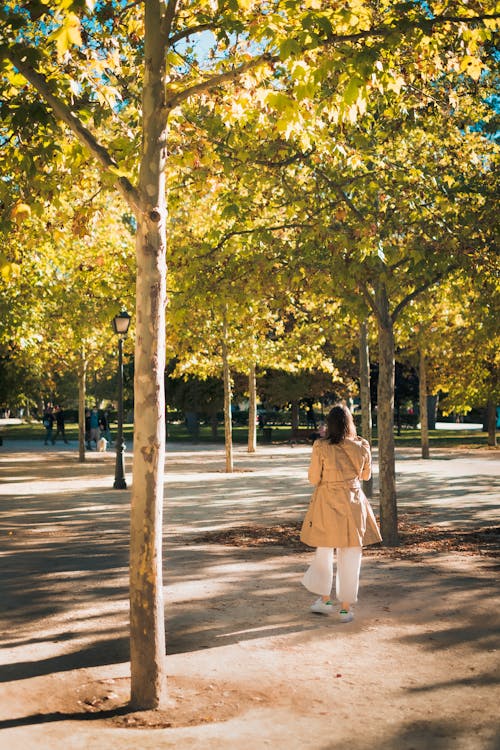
<point x="322" y="170"/>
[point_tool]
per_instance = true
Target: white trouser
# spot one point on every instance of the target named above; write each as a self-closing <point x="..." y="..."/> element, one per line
<point x="318" y="578"/>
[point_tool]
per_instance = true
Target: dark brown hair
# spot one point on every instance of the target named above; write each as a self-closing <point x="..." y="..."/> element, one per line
<point x="340" y="424"/>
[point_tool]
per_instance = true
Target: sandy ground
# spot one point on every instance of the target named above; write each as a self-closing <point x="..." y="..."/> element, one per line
<point x="248" y="665"/>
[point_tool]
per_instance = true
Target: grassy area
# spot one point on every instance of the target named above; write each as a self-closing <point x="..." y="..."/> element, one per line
<point x="33" y="431"/>
<point x="36" y="431"/>
<point x="411" y="438"/>
<point x="280" y="434"/>
<point x="443" y="438"/>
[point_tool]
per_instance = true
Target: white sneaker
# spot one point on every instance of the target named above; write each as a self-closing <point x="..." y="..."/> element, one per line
<point x="346" y="615"/>
<point x="322" y="608"/>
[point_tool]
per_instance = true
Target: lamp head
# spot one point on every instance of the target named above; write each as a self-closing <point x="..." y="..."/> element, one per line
<point x="121" y="323"/>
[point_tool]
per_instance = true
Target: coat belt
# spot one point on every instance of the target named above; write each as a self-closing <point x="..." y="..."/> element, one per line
<point x="351" y="483"/>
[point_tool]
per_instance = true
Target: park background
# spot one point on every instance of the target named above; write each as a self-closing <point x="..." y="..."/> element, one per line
<point x="321" y="180"/>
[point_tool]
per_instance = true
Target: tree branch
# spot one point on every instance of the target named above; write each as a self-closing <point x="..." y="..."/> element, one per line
<point x="414" y="294"/>
<point x="229" y="151"/>
<point x="63" y="112"/>
<point x="357" y="213"/>
<point x="339" y="190"/>
<point x="240" y="232"/>
<point x="462" y="19"/>
<point x="173" y="99"/>
<point x="180" y="35"/>
<point x="168" y="18"/>
<point x="382" y="31"/>
<point x="369" y="299"/>
<point x="128" y="7"/>
<point x="388" y="30"/>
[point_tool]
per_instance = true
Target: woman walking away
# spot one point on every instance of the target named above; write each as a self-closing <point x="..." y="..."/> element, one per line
<point x="339" y="516"/>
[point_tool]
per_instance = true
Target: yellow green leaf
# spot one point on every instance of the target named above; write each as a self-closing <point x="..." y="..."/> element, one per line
<point x="67" y="35"/>
<point x="353" y="90"/>
<point x="118" y="171"/>
<point x="473" y="66"/>
<point x="8" y="270"/>
<point x="20" y="212"/>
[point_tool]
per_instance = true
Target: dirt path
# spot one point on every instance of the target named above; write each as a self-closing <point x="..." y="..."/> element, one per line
<point x="248" y="665"/>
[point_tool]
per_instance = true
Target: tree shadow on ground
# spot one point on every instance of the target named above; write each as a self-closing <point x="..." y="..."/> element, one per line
<point x="20" y="467"/>
<point x="432" y="734"/>
<point x="62" y="552"/>
<point x="254" y="594"/>
<point x="69" y="554"/>
<point x="99" y="653"/>
<point x="58" y="716"/>
<point x="268" y="581"/>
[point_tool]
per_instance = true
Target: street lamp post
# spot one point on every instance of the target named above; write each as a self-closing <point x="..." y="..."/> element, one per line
<point x="121" y="323"/>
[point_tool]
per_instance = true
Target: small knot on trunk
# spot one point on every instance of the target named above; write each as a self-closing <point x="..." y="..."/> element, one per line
<point x="155" y="215"/>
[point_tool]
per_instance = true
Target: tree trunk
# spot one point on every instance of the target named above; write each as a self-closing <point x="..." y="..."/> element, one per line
<point x="385" y="420"/>
<point x="147" y="629"/>
<point x="252" y="410"/>
<point x="228" y="424"/>
<point x="82" y="372"/>
<point x="424" y="422"/>
<point x="295" y="415"/>
<point x="364" y="393"/>
<point x="492" y="422"/>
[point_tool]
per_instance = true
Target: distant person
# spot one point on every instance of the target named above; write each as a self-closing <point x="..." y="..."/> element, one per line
<point x="87" y="429"/>
<point x="104" y="426"/>
<point x="339" y="516"/>
<point x="48" y="423"/>
<point x="311" y="418"/>
<point x="60" y="430"/>
<point x="94" y="426"/>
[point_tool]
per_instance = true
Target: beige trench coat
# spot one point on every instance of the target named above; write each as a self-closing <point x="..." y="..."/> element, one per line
<point x="339" y="514"/>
